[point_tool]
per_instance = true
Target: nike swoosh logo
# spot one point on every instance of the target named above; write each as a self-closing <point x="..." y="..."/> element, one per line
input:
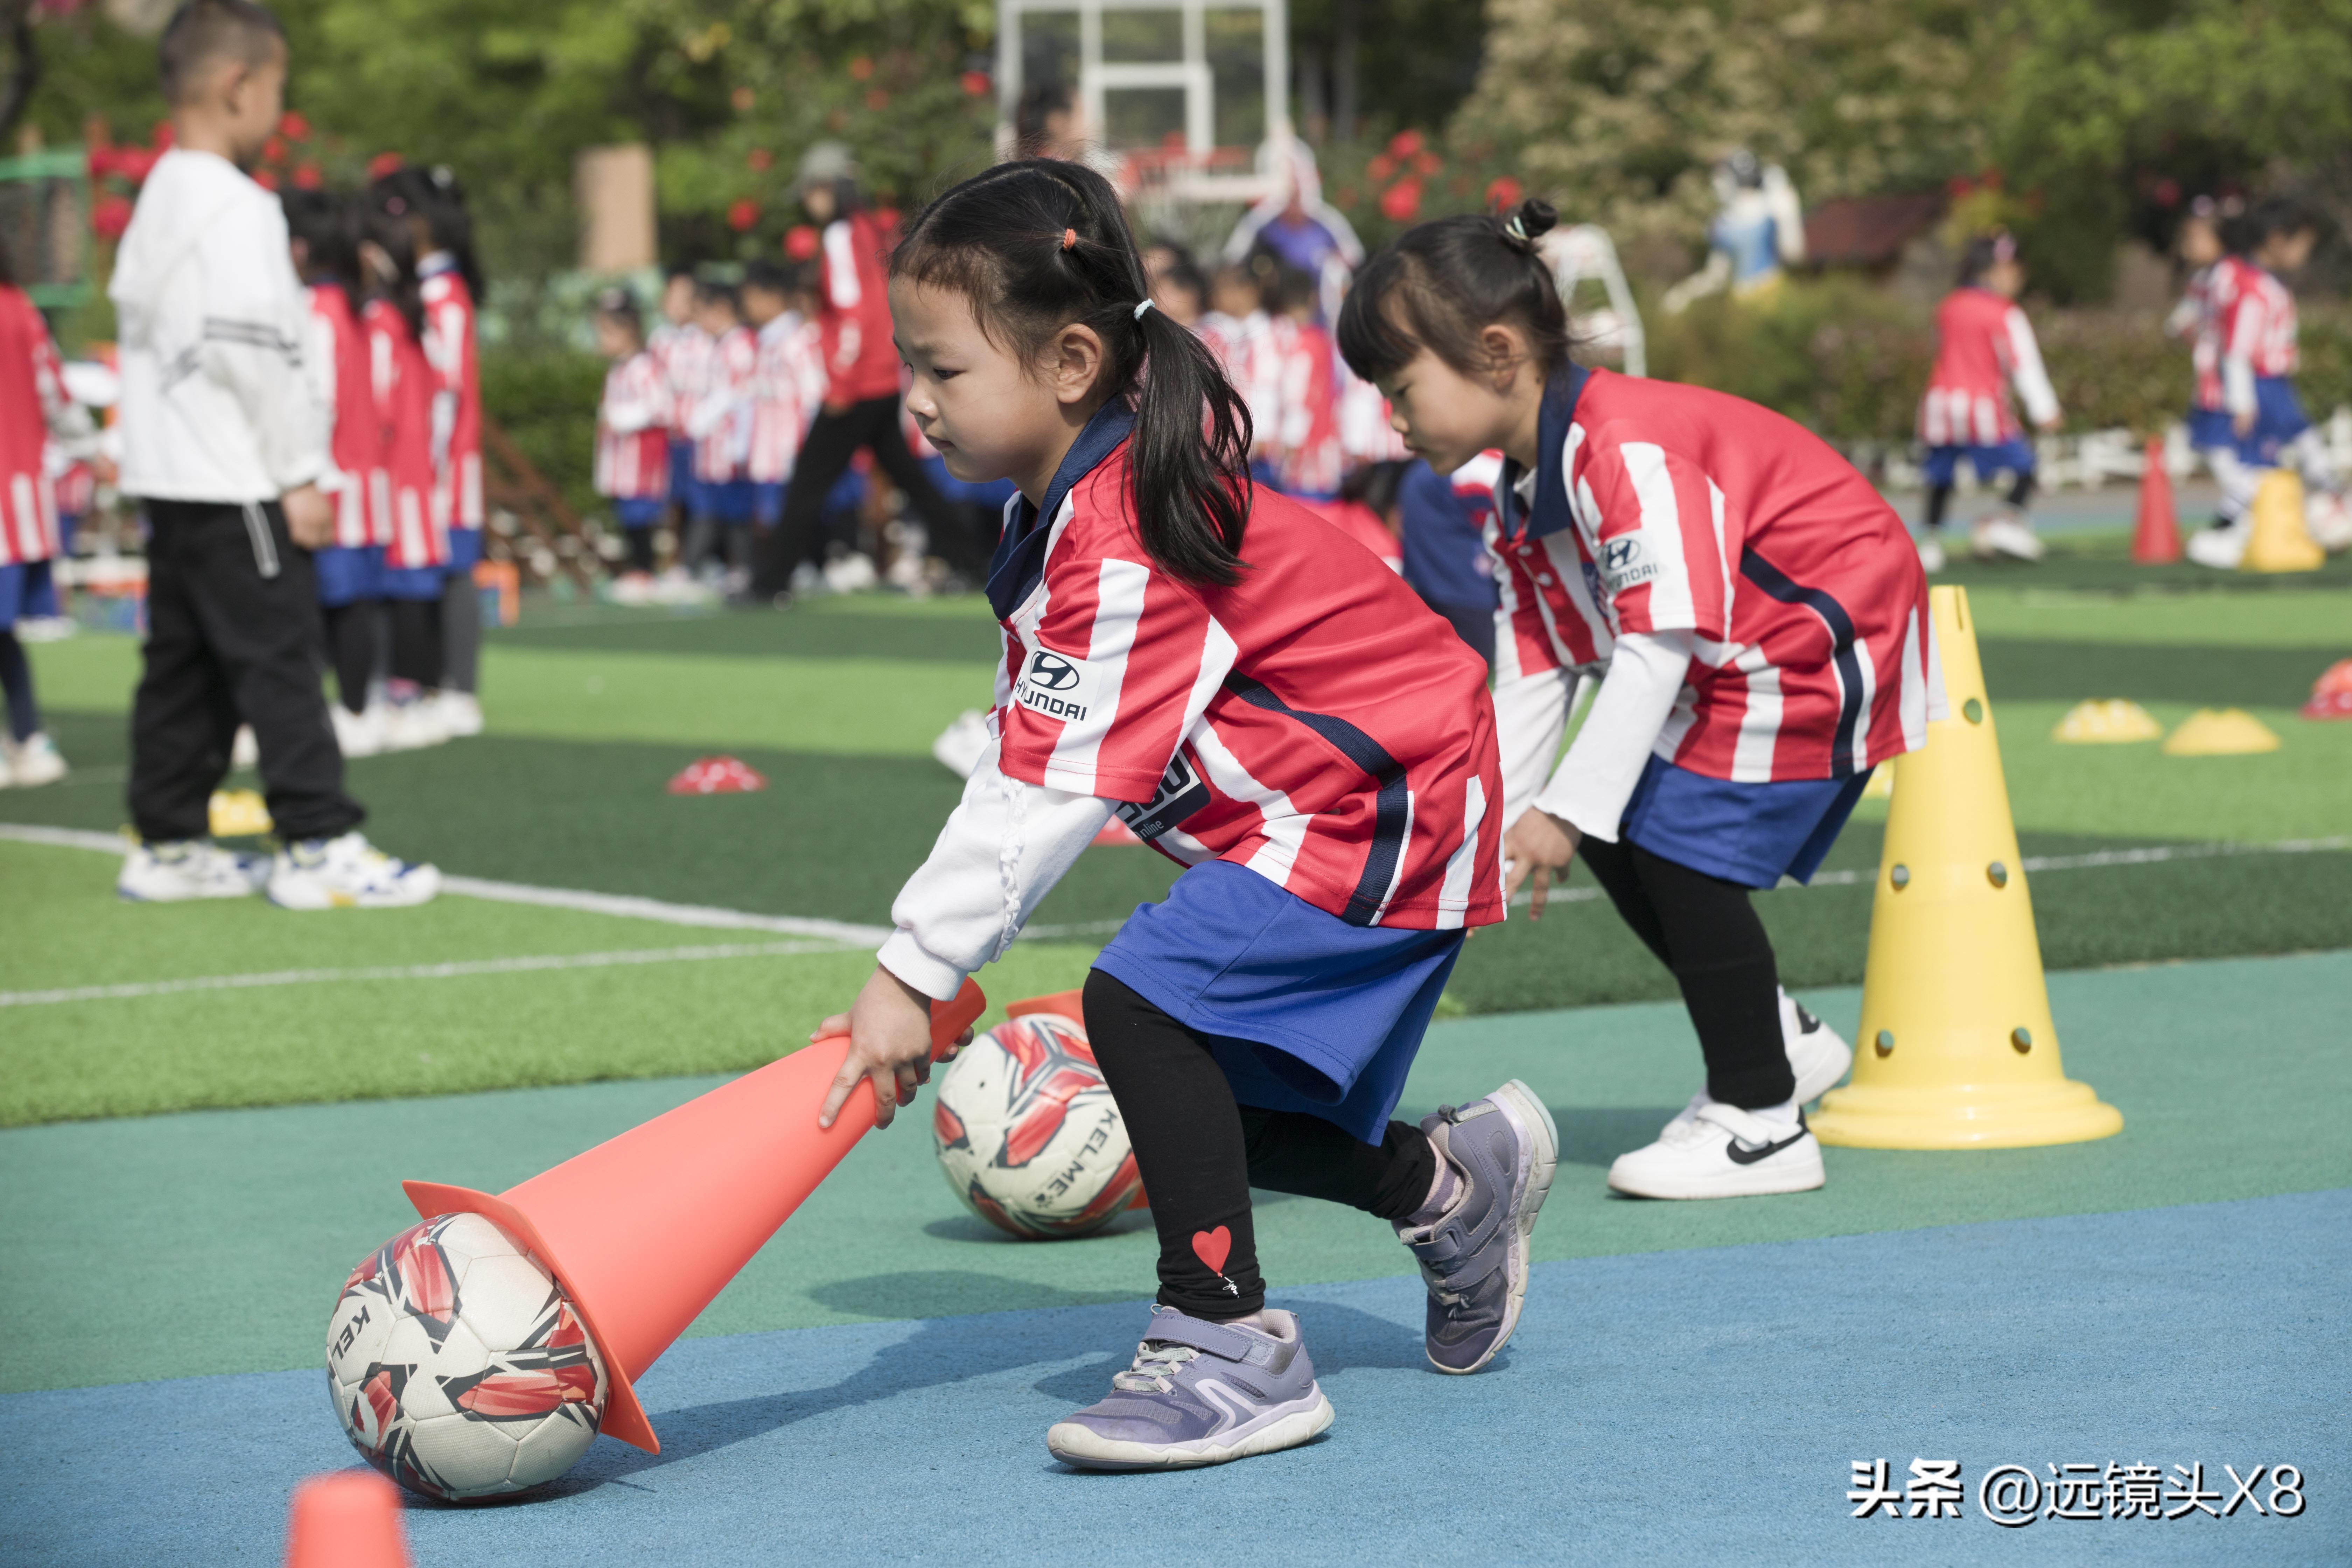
<point x="1740" y="1156"/>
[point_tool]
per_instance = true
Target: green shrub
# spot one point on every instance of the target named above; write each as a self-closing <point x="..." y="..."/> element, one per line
<point x="546" y="399"/>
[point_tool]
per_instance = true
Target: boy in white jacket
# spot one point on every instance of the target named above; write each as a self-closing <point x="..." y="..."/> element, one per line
<point x="223" y="444"/>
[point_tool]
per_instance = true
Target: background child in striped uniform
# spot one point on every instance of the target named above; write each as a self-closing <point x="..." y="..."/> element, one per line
<point x="720" y="423"/>
<point x="1273" y="712"/>
<point x="1764" y="619"/>
<point x="1983" y="342"/>
<point x="632" y="437"/>
<point x="400" y="488"/>
<point x="32" y="403"/>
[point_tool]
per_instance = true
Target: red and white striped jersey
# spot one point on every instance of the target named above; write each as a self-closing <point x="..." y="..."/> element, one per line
<point x="1316" y="723"/>
<point x="32" y="400"/>
<point x="632" y="431"/>
<point x="683" y="354"/>
<point x="787" y="390"/>
<point x="861" y="361"/>
<point x="400" y="487"/>
<point x="2199" y="313"/>
<point x="1312" y="459"/>
<point x="1983" y="342"/>
<point x="722" y="410"/>
<point x="73" y="481"/>
<point x="1362" y="524"/>
<point x="1693" y="511"/>
<point x="2256" y="329"/>
<point x="1546" y="617"/>
<point x="335" y="361"/>
<point x="450" y="348"/>
<point x="1244" y="345"/>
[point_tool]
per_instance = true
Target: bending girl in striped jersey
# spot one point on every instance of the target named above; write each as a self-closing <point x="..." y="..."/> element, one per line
<point x="1265" y="702"/>
<point x="1763" y="622"/>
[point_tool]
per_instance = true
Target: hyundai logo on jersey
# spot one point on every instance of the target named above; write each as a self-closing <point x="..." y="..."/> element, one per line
<point x="1056" y="684"/>
<point x="1623" y="563"/>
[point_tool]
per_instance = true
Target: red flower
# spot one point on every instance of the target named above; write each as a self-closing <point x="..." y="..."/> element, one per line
<point x="1404" y="145"/>
<point x="135" y="164"/>
<point x="266" y="178"/>
<point x="860" y="68"/>
<point x="1504" y="191"/>
<point x="294" y="127"/>
<point x="161" y="139"/>
<point x="1380" y="167"/>
<point x="976" y="83"/>
<point x="742" y="215"/>
<point x="1400" y="203"/>
<point x="382" y="164"/>
<point x="100" y="163"/>
<point x="110" y="216"/>
<point x="800" y="242"/>
<point x="274" y="150"/>
<point x="306" y="177"/>
<point x="877" y="99"/>
<point x="760" y="160"/>
<point x="1426" y="162"/>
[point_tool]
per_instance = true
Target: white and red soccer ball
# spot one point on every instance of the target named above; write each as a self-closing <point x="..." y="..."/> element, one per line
<point x="456" y="1366"/>
<point x="1027" y="1133"/>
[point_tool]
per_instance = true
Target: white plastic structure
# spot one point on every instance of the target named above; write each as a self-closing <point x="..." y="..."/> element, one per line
<point x="1159" y="47"/>
<point x="1585" y="254"/>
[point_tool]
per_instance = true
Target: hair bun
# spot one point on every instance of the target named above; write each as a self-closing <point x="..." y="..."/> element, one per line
<point x="1534" y="218"/>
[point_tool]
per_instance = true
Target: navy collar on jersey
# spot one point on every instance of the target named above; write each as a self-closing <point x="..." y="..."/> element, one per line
<point x="1549" y="514"/>
<point x="435" y="263"/>
<point x="1020" y="558"/>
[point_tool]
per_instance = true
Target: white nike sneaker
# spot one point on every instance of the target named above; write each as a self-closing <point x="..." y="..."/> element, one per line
<point x="245" y="751"/>
<point x="347" y="873"/>
<point x="30" y="763"/>
<point x="1931" y="553"/>
<point x="176" y="872"/>
<point x="461" y="713"/>
<point x="1818" y="1054"/>
<point x="413" y="725"/>
<point x="2006" y="533"/>
<point x="358" y="734"/>
<point x="1722" y="1152"/>
<point x="2220" y="548"/>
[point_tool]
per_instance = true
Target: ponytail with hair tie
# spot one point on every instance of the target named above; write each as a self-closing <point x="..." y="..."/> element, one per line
<point x="1442" y="284"/>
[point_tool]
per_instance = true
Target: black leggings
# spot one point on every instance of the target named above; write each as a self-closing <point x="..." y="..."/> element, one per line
<point x="2021" y="490"/>
<point x="16" y="683"/>
<point x="1200" y="1151"/>
<point x="823" y="457"/>
<point x="1705" y="930"/>
<point x="351" y="648"/>
<point x="417" y="647"/>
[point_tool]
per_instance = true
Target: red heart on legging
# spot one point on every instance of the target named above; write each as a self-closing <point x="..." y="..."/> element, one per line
<point x="1212" y="1248"/>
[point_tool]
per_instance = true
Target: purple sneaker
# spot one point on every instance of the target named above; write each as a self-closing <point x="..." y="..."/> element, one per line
<point x="1199" y="1394"/>
<point x="1475" y="1256"/>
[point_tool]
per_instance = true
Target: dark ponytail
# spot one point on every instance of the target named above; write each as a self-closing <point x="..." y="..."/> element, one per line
<point x="1441" y="284"/>
<point x="383" y="222"/>
<point x="1040" y="245"/>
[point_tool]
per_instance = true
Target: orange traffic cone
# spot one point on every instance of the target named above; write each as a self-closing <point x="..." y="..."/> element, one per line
<point x="349" y="1519"/>
<point x="645" y="1229"/>
<point x="2156" y="540"/>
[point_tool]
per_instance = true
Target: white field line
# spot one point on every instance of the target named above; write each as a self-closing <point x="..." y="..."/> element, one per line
<point x="413" y="972"/>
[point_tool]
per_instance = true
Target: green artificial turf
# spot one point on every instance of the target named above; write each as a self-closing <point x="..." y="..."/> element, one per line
<point x="215" y="1242"/>
<point x="2101" y="563"/>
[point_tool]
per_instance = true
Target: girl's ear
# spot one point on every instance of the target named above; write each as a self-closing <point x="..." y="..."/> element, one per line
<point x="1074" y="360"/>
<point x="1506" y="352"/>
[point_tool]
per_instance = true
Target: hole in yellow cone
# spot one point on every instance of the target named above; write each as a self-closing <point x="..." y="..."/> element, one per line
<point x="1900" y="876"/>
<point x="2021" y="1039"/>
<point x="1996" y="874"/>
<point x="1974" y="710"/>
<point x="1885" y="1042"/>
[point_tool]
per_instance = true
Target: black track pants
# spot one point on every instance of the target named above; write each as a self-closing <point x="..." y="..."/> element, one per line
<point x="232" y="635"/>
<point x="1200" y="1153"/>
<point x="1705" y="930"/>
<point x="823" y="458"/>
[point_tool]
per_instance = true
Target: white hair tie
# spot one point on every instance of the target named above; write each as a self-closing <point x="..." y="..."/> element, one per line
<point x="1141" y="306"/>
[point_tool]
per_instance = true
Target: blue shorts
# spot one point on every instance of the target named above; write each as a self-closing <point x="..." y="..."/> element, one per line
<point x="1308" y="1013"/>
<point x="411" y="582"/>
<point x="639" y="511"/>
<point x="28" y="591"/>
<point x="729" y="501"/>
<point x="768" y="503"/>
<point x="2279" y="421"/>
<point x="682" y="468"/>
<point x="68" y="522"/>
<point x="2013" y="455"/>
<point x="1752" y="834"/>
<point x="348" y="573"/>
<point x="465" y="551"/>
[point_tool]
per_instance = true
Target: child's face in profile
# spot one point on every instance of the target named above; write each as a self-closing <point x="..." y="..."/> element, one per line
<point x="1446" y="416"/>
<point x="2006" y="278"/>
<point x="2288" y="252"/>
<point x="1234" y="294"/>
<point x="677" y="300"/>
<point x="715" y="316"/>
<point x="2201" y="244"/>
<point x="991" y="414"/>
<point x="614" y="338"/>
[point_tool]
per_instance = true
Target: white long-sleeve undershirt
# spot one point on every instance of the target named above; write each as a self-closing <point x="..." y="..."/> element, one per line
<point x="1003" y="848"/>
<point x="1595" y="780"/>
<point x="1530" y="714"/>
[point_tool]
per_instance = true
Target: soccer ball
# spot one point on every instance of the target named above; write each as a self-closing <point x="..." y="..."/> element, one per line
<point x="456" y="1366"/>
<point x="1028" y="1136"/>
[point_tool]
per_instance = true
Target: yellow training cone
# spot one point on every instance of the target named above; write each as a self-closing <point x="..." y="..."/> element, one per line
<point x="2280" y="541"/>
<point x="1956" y="1048"/>
<point x="2220" y="732"/>
<point x="2107" y="724"/>
<point x="237" y="813"/>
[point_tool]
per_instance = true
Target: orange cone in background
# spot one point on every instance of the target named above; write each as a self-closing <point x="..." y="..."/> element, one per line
<point x="2156" y="540"/>
<point x="349" y="1519"/>
<point x="2331" y="694"/>
<point x="643" y="1230"/>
